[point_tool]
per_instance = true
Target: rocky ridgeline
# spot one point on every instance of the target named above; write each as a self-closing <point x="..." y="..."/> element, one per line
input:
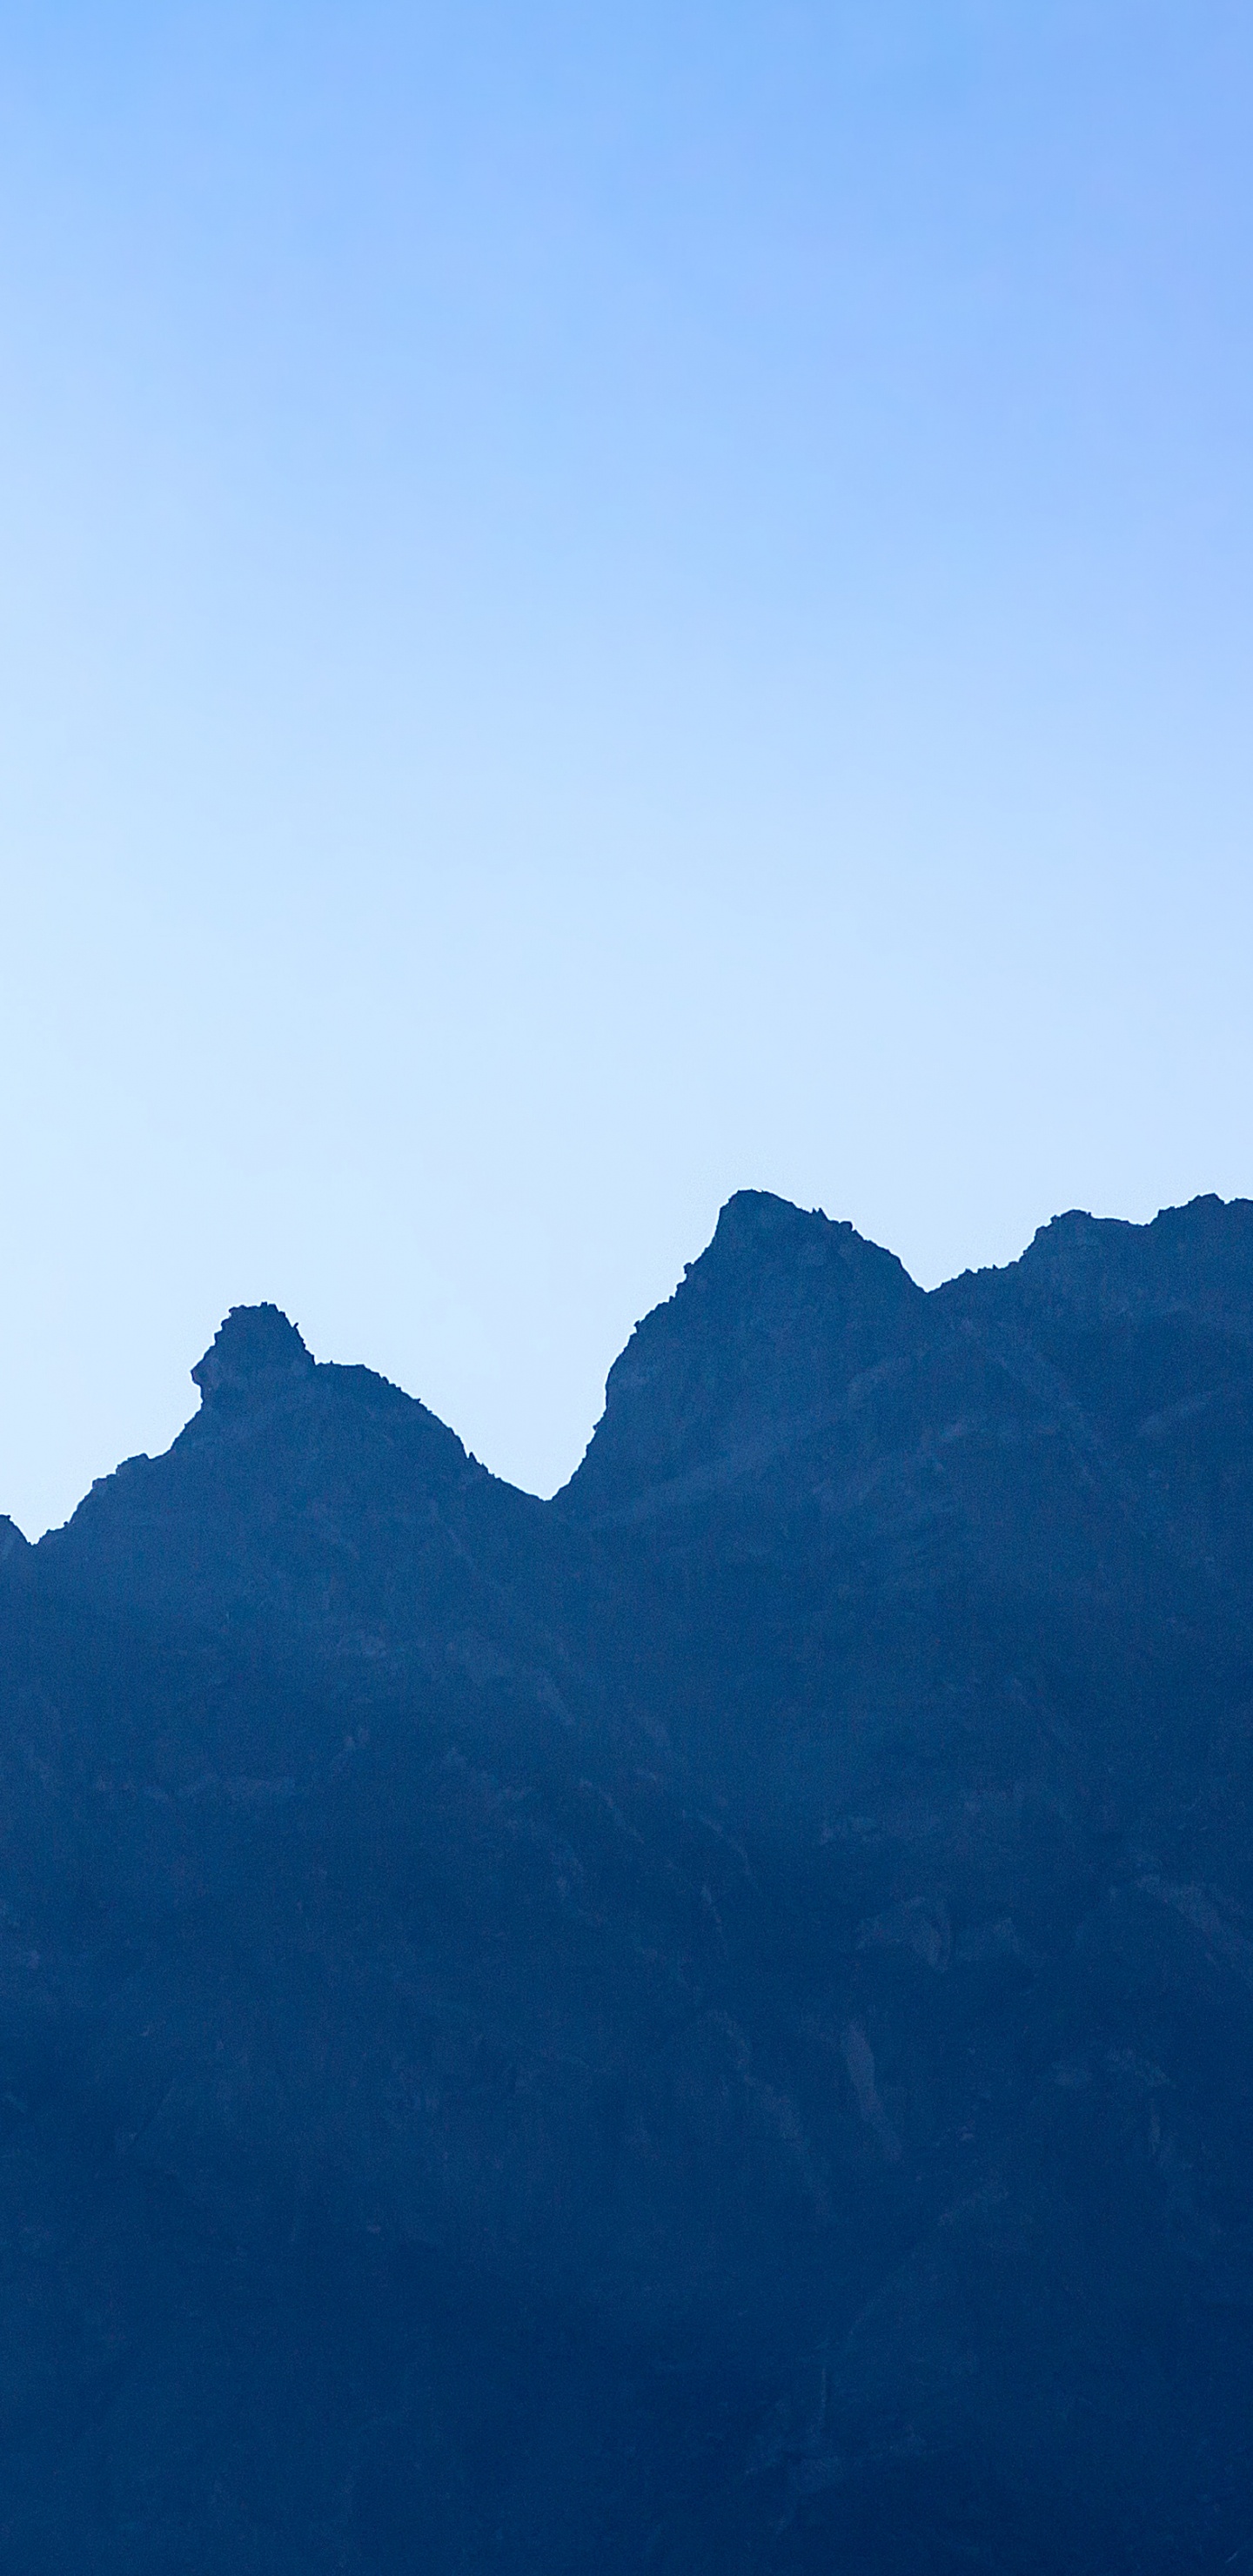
<point x="703" y="2025"/>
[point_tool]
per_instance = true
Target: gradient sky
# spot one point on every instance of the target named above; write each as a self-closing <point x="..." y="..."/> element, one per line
<point x="600" y="604"/>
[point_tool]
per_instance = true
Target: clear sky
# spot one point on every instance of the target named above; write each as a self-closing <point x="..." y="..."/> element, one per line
<point x="598" y="604"/>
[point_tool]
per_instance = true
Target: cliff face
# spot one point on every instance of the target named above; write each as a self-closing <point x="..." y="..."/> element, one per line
<point x="703" y="2025"/>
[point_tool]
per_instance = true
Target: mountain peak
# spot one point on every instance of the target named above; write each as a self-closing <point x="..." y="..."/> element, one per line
<point x="14" y="1545"/>
<point x="753" y="1216"/>
<point x="253" y="1353"/>
<point x="763" y="1334"/>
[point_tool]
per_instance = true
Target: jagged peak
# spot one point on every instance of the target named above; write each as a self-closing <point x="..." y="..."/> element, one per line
<point x="14" y="1544"/>
<point x="253" y="1351"/>
<point x="763" y="1247"/>
<point x="765" y="1330"/>
<point x="752" y="1217"/>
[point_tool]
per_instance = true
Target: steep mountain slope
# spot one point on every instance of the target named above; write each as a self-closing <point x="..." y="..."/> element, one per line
<point x="980" y="1507"/>
<point x="759" y="1345"/>
<point x="705" y="2025"/>
<point x="326" y="1515"/>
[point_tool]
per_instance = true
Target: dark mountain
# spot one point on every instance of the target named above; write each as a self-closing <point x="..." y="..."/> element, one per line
<point x="705" y="2025"/>
<point x="324" y="1516"/>
<point x="760" y="1345"/>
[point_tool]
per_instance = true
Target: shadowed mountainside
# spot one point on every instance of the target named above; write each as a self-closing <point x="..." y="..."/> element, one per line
<point x="704" y="2025"/>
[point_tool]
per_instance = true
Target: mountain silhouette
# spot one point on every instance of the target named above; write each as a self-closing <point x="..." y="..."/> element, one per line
<point x="703" y="2025"/>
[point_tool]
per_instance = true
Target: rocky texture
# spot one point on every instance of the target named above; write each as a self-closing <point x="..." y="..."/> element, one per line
<point x="707" y="2025"/>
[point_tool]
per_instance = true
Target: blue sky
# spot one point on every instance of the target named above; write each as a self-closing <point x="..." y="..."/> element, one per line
<point x="601" y="605"/>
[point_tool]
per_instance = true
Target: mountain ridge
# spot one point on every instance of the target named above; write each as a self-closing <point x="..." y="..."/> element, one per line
<point x="704" y="2023"/>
